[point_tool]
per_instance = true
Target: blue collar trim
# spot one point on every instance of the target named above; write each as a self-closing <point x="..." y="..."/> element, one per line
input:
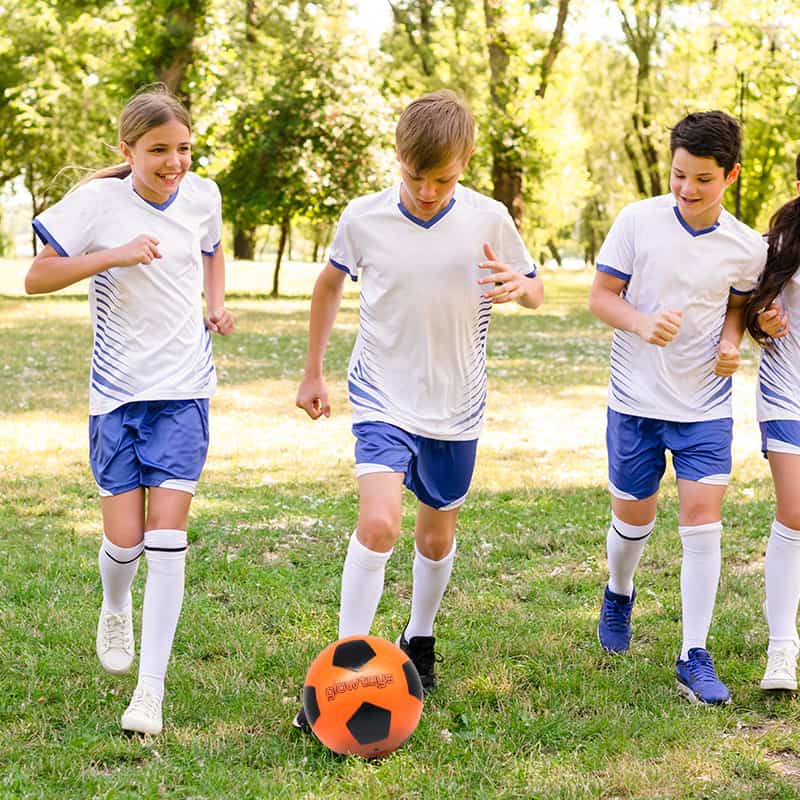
<point x="425" y="223"/>
<point x="689" y="228"/>
<point x="160" y="206"/>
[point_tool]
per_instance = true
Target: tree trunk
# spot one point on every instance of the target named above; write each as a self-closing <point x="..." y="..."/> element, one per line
<point x="244" y="242"/>
<point x="30" y="185"/>
<point x="285" y="227"/>
<point x="506" y="161"/>
<point x="553" y="47"/>
<point x="551" y="246"/>
<point x="507" y="183"/>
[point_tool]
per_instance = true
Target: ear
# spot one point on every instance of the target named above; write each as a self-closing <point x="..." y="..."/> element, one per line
<point x="126" y="151"/>
<point x="733" y="174"/>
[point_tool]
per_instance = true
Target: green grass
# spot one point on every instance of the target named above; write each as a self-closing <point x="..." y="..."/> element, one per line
<point x="528" y="706"/>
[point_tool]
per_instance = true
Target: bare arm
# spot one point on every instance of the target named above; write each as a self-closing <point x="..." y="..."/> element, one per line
<point x="50" y="271"/>
<point x="218" y="318"/>
<point x="731" y="337"/>
<point x="312" y="395"/>
<point x="607" y="304"/>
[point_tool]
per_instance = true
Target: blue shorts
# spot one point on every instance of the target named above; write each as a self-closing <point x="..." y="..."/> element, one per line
<point x="780" y="436"/>
<point x="438" y="472"/>
<point x="701" y="451"/>
<point x="149" y="443"/>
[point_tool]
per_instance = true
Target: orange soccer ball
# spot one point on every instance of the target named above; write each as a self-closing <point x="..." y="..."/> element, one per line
<point x="362" y="696"/>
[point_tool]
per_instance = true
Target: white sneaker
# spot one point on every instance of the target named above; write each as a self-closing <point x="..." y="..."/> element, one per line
<point x="143" y="715"/>
<point x="114" y="645"/>
<point x="781" y="672"/>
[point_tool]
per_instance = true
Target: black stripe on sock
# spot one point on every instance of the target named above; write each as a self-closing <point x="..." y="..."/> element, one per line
<point x="130" y="561"/>
<point x="630" y="538"/>
<point x="166" y="549"/>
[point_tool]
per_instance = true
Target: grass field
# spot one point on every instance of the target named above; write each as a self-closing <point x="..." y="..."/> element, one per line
<point x="527" y="706"/>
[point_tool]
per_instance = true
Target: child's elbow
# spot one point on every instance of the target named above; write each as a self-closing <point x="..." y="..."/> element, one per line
<point x="32" y="283"/>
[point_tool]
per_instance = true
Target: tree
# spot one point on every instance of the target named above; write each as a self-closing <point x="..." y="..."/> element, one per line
<point x="310" y="141"/>
<point x="58" y="97"/>
<point x="164" y="43"/>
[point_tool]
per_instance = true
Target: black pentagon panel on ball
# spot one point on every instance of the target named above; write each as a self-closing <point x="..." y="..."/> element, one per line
<point x="412" y="679"/>
<point x="353" y="655"/>
<point x="369" y="723"/>
<point x="310" y="704"/>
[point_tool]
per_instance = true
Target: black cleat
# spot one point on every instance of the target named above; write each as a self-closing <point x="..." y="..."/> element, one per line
<point x="420" y="651"/>
<point x="300" y="721"/>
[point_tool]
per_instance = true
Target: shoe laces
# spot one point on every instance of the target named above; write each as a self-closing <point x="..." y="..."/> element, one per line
<point x="617" y="614"/>
<point x="146" y="703"/>
<point x="701" y="665"/>
<point x="116" y="632"/>
<point x="781" y="660"/>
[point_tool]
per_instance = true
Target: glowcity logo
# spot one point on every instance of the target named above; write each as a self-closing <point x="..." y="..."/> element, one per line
<point x="380" y="681"/>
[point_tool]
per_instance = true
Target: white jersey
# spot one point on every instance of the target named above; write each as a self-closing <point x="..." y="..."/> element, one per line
<point x="778" y="395"/>
<point x="419" y="360"/>
<point x="670" y="266"/>
<point x="150" y="341"/>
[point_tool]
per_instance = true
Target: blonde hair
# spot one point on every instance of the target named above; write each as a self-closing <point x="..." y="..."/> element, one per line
<point x="151" y="106"/>
<point x="435" y="129"/>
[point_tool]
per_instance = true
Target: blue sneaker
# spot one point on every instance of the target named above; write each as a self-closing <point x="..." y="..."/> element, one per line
<point x="614" y="629"/>
<point x="697" y="680"/>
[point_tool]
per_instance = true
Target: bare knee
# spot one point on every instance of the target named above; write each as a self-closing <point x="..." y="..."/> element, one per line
<point x="698" y="514"/>
<point x="378" y="530"/>
<point x="434" y="545"/>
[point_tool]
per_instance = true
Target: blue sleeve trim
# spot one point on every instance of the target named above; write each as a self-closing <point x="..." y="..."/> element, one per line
<point x="623" y="276"/>
<point x="739" y="291"/>
<point x="213" y="249"/>
<point x="343" y="268"/>
<point x="532" y="273"/>
<point x="48" y="238"/>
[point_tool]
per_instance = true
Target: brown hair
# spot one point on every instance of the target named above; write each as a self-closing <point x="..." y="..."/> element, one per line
<point x="435" y="129"/>
<point x="151" y="106"/>
<point x="783" y="260"/>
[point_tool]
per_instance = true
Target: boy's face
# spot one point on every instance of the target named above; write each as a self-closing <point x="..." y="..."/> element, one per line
<point x="426" y="193"/>
<point x="697" y="184"/>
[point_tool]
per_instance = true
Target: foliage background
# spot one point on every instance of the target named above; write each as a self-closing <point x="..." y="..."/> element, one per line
<point x="294" y="104"/>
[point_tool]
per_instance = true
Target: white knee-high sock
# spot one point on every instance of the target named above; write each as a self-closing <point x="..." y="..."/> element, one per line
<point x="118" y="567"/>
<point x="362" y="587"/>
<point x="430" y="581"/>
<point x="700" y="570"/>
<point x="165" y="551"/>
<point x="624" y="547"/>
<point x="782" y="574"/>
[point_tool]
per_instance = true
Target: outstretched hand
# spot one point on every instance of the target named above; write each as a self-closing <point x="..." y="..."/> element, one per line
<point x="508" y="285"/>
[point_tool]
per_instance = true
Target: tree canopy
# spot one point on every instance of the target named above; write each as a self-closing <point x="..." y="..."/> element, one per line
<point x="293" y="108"/>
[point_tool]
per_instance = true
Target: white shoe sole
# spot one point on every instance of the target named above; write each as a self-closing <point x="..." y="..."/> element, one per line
<point x="141" y="725"/>
<point x="786" y="684"/>
<point x="686" y="692"/>
<point x="114" y="670"/>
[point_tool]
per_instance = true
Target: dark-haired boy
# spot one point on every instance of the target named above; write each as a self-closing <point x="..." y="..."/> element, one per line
<point x="672" y="277"/>
<point x="417" y="375"/>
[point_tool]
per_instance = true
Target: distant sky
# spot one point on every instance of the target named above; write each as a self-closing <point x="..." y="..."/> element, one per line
<point x="374" y="16"/>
